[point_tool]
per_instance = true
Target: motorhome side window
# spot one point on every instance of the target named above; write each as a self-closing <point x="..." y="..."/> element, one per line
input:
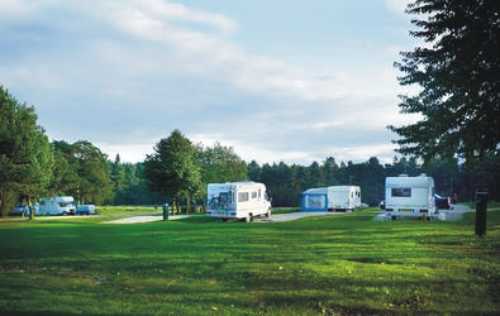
<point x="243" y="196"/>
<point x="401" y="192"/>
<point x="254" y="195"/>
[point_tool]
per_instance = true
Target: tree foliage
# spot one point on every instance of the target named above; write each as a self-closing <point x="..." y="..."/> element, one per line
<point x="457" y="71"/>
<point x="82" y="171"/>
<point x="26" y="157"/>
<point x="219" y="164"/>
<point x="172" y="170"/>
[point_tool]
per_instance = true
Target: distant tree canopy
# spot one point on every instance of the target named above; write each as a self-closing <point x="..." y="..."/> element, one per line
<point x="219" y="164"/>
<point x="458" y="70"/>
<point x="172" y="170"/>
<point x="82" y="171"/>
<point x="26" y="158"/>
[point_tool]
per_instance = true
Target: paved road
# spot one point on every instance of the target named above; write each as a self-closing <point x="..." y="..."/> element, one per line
<point x="146" y="219"/>
<point x="279" y="218"/>
<point x="455" y="214"/>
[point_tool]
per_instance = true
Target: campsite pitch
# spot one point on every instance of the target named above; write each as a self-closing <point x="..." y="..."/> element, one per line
<point x="342" y="265"/>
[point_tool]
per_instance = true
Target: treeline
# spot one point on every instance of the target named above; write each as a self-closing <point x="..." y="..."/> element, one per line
<point x="178" y="171"/>
<point x="287" y="182"/>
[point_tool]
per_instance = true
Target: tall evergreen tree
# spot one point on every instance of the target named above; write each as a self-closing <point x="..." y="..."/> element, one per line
<point x="117" y="174"/>
<point x="458" y="71"/>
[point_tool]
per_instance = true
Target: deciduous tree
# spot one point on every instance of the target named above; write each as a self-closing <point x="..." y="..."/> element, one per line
<point x="26" y="157"/>
<point x="172" y="170"/>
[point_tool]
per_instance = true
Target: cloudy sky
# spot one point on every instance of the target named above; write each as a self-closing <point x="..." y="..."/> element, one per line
<point x="278" y="80"/>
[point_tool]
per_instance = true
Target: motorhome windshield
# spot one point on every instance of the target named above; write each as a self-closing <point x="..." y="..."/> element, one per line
<point x="65" y="204"/>
<point x="221" y="201"/>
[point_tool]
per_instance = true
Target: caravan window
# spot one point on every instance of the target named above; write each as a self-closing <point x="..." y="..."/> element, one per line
<point x="243" y="196"/>
<point x="254" y="195"/>
<point x="401" y="192"/>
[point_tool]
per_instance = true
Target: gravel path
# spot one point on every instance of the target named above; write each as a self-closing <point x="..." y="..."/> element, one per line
<point x="279" y="218"/>
<point x="146" y="219"/>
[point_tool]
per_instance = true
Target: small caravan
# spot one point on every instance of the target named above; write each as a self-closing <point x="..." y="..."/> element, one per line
<point x="414" y="194"/>
<point x="346" y="197"/>
<point x="59" y="205"/>
<point x="238" y="200"/>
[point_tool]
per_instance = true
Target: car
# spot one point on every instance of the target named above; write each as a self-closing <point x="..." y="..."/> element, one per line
<point x="85" y="209"/>
<point x="19" y="210"/>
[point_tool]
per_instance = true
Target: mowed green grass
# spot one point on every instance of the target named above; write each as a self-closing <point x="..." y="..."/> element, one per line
<point x="335" y="265"/>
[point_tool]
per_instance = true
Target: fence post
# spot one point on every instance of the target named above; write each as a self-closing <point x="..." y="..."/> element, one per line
<point x="165" y="211"/>
<point x="481" y="212"/>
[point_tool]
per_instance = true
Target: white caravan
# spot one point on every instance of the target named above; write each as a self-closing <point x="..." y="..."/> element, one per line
<point x="238" y="200"/>
<point x="414" y="194"/>
<point x="59" y="205"/>
<point x="346" y="197"/>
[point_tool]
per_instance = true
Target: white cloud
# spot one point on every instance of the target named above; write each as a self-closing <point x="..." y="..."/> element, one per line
<point x="397" y="6"/>
<point x="127" y="152"/>
<point x="17" y="9"/>
<point x="169" y="10"/>
<point x="134" y="70"/>
<point x="207" y="53"/>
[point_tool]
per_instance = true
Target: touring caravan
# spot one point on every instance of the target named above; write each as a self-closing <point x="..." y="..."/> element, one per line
<point x="238" y="200"/>
<point x="346" y="197"/>
<point x="414" y="194"/>
<point x="59" y="205"/>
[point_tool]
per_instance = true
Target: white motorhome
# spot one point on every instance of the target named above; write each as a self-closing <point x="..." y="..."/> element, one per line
<point x="238" y="200"/>
<point x="345" y="197"/>
<point x="414" y="194"/>
<point x="59" y="205"/>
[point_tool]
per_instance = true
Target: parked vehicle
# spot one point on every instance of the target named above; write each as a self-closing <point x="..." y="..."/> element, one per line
<point x="238" y="200"/>
<point x="59" y="205"/>
<point x="442" y="203"/>
<point x="413" y="194"/>
<point x="19" y="210"/>
<point x="86" y="209"/>
<point x="333" y="198"/>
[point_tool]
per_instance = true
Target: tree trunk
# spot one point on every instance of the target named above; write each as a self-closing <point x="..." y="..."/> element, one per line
<point x="32" y="209"/>
<point x="8" y="202"/>
<point x="188" y="204"/>
<point x="174" y="206"/>
<point x="1" y="204"/>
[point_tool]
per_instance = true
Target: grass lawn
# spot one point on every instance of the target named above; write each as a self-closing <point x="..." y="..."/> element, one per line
<point x="342" y="265"/>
